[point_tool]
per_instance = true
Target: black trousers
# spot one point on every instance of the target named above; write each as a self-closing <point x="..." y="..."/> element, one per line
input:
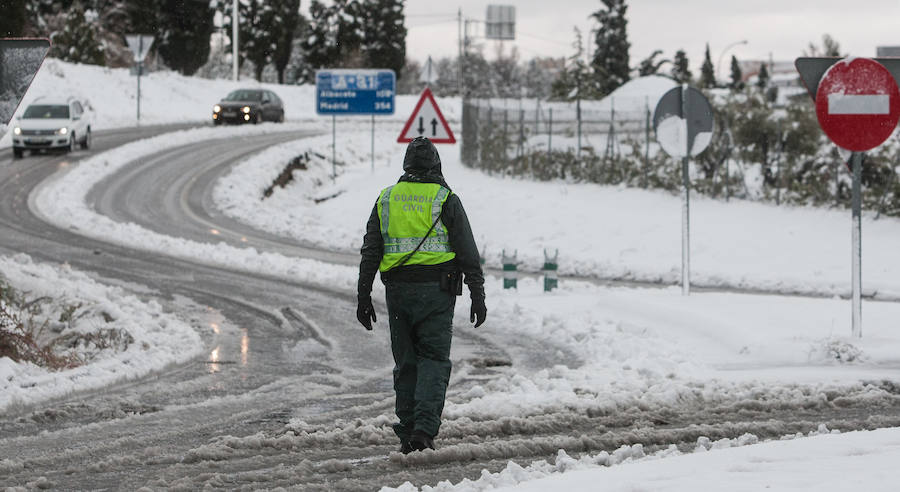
<point x="421" y="319"/>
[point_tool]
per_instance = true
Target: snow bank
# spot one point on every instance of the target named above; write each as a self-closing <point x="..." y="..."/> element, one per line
<point x="159" y="338"/>
<point x="600" y="231"/>
<point x="61" y="201"/>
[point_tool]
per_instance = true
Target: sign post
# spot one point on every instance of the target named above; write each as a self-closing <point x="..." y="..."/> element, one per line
<point x="858" y="106"/>
<point x="20" y="60"/>
<point x="683" y="121"/>
<point x="139" y="44"/>
<point x="354" y="92"/>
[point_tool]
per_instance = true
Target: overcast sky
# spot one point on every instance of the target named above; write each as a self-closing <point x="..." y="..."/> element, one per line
<point x="782" y="28"/>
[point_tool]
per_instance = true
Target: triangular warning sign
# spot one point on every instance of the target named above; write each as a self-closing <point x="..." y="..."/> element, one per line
<point x="20" y="60"/>
<point x="427" y="121"/>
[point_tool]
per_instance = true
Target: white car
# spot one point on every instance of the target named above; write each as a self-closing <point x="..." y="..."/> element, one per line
<point x="51" y="123"/>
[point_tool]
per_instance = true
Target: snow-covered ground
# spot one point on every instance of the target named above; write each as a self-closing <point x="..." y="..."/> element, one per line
<point x="150" y="337"/>
<point x="647" y="345"/>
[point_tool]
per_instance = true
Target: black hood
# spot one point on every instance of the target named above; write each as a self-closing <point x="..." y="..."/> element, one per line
<point x="422" y="163"/>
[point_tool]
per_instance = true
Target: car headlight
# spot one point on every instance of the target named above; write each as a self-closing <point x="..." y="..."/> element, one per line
<point x="217" y="108"/>
<point x="62" y="131"/>
<point x="17" y="131"/>
<point x="246" y="109"/>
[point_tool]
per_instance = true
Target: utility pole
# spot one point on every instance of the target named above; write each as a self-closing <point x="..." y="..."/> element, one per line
<point x="234" y="39"/>
<point x="459" y="56"/>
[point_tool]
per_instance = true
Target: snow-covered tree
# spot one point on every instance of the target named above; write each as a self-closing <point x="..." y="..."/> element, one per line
<point x="320" y="43"/>
<point x="680" y="70"/>
<point x="574" y="80"/>
<point x="707" y="72"/>
<point x="384" y="43"/>
<point x="77" y="42"/>
<point x="255" y="43"/>
<point x="183" y="34"/>
<point x="284" y="19"/>
<point x="610" y="63"/>
<point x="350" y="36"/>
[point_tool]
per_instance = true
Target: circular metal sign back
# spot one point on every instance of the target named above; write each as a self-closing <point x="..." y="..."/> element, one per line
<point x="676" y="134"/>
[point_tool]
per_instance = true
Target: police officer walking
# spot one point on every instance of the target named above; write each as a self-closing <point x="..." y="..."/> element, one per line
<point x="419" y="238"/>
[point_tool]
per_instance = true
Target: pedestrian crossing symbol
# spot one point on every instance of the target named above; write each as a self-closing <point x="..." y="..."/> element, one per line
<point x="427" y="121"/>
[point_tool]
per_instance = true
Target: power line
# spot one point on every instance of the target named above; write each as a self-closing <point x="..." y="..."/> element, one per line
<point x="431" y="23"/>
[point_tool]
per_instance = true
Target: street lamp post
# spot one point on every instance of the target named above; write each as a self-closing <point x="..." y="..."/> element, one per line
<point x="719" y="62"/>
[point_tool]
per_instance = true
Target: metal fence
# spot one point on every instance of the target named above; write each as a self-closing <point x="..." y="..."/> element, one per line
<point x="523" y="127"/>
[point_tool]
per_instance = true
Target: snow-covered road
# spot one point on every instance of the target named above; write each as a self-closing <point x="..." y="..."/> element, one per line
<point x="290" y="392"/>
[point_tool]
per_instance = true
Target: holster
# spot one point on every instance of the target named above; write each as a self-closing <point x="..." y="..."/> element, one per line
<point x="452" y="282"/>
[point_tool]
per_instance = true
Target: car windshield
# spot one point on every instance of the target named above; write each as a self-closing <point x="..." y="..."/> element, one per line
<point x="47" y="111"/>
<point x="244" y="96"/>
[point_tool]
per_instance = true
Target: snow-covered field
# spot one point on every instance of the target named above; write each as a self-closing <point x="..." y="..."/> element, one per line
<point x="647" y="345"/>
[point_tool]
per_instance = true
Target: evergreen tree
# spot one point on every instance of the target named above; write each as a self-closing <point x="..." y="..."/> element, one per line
<point x="259" y="41"/>
<point x="610" y="63"/>
<point x="77" y="41"/>
<point x="182" y="40"/>
<point x="255" y="41"/>
<point x="680" y="71"/>
<point x="650" y="65"/>
<point x="320" y="43"/>
<point x="707" y="72"/>
<point x="12" y="22"/>
<point x="350" y="35"/>
<point x="285" y="22"/>
<point x="573" y="80"/>
<point x="384" y="43"/>
<point x="737" y="82"/>
<point x="762" y="78"/>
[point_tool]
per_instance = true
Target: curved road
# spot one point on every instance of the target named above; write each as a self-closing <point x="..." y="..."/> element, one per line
<point x="290" y="392"/>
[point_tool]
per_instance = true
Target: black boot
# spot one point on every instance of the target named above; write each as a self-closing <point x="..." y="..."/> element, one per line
<point x="421" y="441"/>
<point x="405" y="446"/>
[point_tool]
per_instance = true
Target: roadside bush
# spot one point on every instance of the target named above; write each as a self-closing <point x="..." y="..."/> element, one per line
<point x="54" y="334"/>
<point x="19" y="332"/>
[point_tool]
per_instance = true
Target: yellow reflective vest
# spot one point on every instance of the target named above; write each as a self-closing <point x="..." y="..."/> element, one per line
<point x="406" y="212"/>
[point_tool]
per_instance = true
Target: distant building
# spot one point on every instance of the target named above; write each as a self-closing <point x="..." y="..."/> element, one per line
<point x="886" y="51"/>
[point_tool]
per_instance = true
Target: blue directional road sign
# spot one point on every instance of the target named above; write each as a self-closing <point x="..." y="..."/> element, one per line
<point x="349" y="91"/>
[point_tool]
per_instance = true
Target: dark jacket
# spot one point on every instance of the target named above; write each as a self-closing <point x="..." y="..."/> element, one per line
<point x="422" y="164"/>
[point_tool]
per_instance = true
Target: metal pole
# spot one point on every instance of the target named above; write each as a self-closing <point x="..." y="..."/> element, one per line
<point x="778" y="161"/>
<point x="578" y="115"/>
<point x="333" y="149"/>
<point x="140" y="67"/>
<point x="459" y="56"/>
<point x="234" y="39"/>
<point x="373" y="143"/>
<point x="646" y="141"/>
<point x="685" y="203"/>
<point x="856" y="270"/>
<point x="550" y="132"/>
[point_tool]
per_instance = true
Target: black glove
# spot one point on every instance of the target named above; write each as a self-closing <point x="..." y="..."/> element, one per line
<point x="478" y="311"/>
<point x="365" y="312"/>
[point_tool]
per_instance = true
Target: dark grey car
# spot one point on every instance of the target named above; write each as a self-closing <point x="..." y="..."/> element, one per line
<point x="249" y="106"/>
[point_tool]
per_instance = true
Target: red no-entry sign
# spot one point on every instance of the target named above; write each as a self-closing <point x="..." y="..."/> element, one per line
<point x="858" y="104"/>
